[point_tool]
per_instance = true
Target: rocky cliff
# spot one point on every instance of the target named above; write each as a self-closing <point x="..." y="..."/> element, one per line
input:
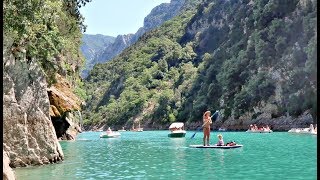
<point x="36" y="48"/>
<point x="29" y="137"/>
<point x="35" y="115"/>
<point x="158" y="16"/>
<point x="64" y="109"/>
<point x="8" y="173"/>
<point x="115" y="48"/>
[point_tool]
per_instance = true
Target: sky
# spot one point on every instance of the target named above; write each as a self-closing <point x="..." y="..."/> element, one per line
<point x="115" y="17"/>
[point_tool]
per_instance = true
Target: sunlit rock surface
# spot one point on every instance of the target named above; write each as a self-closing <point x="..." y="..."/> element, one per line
<point x="29" y="137"/>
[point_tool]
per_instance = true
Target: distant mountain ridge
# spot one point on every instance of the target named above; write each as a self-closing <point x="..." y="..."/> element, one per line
<point x="157" y="16"/>
<point x="91" y="45"/>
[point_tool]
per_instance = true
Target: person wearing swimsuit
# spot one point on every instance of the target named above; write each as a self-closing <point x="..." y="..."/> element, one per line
<point x="220" y="141"/>
<point x="206" y="127"/>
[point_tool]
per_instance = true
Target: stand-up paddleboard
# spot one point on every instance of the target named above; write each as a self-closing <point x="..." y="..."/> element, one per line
<point x="215" y="146"/>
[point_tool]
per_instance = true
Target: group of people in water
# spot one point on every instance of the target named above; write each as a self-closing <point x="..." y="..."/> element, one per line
<point x="207" y="121"/>
<point x="254" y="127"/>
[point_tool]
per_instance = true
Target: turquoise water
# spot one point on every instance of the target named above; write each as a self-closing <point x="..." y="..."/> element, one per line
<point x="152" y="155"/>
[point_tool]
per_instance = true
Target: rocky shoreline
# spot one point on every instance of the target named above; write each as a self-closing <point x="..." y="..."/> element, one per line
<point x="283" y="123"/>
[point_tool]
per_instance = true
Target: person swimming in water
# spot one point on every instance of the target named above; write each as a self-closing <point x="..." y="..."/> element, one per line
<point x="109" y="131"/>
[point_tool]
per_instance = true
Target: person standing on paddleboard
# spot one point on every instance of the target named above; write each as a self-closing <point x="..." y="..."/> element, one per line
<point x="206" y="128"/>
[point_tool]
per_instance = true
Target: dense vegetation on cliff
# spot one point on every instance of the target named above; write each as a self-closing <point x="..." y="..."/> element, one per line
<point x="48" y="32"/>
<point x="241" y="57"/>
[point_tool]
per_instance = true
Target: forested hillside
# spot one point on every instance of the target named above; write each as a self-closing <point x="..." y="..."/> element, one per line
<point x="154" y="19"/>
<point x="249" y="59"/>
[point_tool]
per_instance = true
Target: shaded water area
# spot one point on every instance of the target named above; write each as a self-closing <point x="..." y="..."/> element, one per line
<point x="153" y="155"/>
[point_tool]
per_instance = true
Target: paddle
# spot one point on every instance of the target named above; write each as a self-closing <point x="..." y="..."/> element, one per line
<point x="214" y="116"/>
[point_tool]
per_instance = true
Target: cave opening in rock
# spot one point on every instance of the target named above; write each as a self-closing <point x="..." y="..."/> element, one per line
<point x="60" y="125"/>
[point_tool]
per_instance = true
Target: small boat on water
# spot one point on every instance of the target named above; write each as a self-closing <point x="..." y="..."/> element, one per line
<point x="259" y="131"/>
<point x="177" y="130"/>
<point x="122" y="130"/>
<point x="110" y="134"/>
<point x="254" y="129"/>
<point x="297" y="130"/>
<point x="139" y="129"/>
<point x="310" y="130"/>
<point x="222" y="129"/>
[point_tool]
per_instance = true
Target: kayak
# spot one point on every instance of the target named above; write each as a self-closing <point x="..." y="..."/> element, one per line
<point x="215" y="146"/>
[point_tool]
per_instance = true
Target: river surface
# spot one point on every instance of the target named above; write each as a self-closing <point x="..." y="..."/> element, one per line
<point x="153" y="155"/>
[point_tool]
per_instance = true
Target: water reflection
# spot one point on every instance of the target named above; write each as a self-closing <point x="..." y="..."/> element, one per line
<point x="177" y="151"/>
<point x="177" y="142"/>
<point x="220" y="155"/>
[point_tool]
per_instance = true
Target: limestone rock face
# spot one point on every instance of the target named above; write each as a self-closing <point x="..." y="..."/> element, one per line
<point x="64" y="109"/>
<point x="68" y="126"/>
<point x="62" y="97"/>
<point x="120" y="43"/>
<point x="8" y="173"/>
<point x="163" y="12"/>
<point x="29" y="137"/>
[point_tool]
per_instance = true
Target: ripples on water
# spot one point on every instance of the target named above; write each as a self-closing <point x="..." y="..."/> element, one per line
<point x="152" y="155"/>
